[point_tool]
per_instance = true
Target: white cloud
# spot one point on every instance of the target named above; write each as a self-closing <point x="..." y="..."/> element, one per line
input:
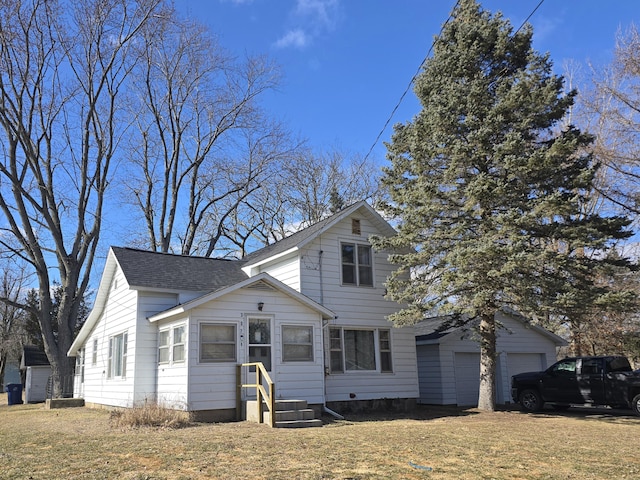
<point x="294" y="38"/>
<point x="323" y="13"/>
<point x="310" y="19"/>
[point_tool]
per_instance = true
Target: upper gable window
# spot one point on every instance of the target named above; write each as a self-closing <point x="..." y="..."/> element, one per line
<point x="357" y="267"/>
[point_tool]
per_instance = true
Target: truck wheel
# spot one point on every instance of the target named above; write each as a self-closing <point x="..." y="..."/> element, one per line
<point x="635" y="404"/>
<point x="530" y="400"/>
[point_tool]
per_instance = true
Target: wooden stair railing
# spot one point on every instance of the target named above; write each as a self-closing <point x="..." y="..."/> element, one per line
<point x="268" y="394"/>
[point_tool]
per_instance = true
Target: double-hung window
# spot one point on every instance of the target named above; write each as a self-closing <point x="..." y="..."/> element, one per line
<point x="297" y="343"/>
<point x="117" y="364"/>
<point x="217" y="342"/>
<point x="171" y="345"/>
<point x="357" y="265"/>
<point x="359" y="350"/>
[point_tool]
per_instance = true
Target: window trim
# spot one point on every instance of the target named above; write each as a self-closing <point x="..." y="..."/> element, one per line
<point x="164" y="347"/>
<point x="378" y="351"/>
<point x="309" y="344"/>
<point x="94" y="353"/>
<point x="235" y="342"/>
<point x="175" y="344"/>
<point x="112" y="372"/>
<point x="356" y="265"/>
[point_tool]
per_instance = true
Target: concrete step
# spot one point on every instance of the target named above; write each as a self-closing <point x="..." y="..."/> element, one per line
<point x="299" y="424"/>
<point x="291" y="405"/>
<point x="291" y="415"/>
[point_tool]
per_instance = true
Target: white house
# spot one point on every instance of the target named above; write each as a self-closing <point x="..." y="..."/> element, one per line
<point x="449" y="360"/>
<point x="311" y="307"/>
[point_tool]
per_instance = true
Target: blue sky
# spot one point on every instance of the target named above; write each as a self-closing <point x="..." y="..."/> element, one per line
<point x="346" y="63"/>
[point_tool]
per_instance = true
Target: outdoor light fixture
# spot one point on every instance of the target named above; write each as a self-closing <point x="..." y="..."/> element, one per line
<point x="260" y="305"/>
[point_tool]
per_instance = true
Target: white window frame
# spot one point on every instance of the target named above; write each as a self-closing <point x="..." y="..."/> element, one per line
<point x="337" y="350"/>
<point x="235" y="342"/>
<point x="176" y="344"/>
<point x="117" y="363"/>
<point x="171" y="344"/>
<point x="309" y="344"/>
<point x="356" y="265"/>
<point x="164" y="349"/>
<point x="94" y="353"/>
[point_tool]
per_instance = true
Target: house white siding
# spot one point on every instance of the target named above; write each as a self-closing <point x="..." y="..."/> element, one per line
<point x="359" y="307"/>
<point x="119" y="316"/>
<point x="146" y="343"/>
<point x="212" y="386"/>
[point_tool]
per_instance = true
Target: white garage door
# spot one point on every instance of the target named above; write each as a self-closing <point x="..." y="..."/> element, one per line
<point x="524" y="362"/>
<point x="467" y="378"/>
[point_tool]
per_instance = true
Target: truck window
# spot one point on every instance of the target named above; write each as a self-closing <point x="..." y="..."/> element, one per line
<point x="591" y="366"/>
<point x="618" y="364"/>
<point x="565" y="367"/>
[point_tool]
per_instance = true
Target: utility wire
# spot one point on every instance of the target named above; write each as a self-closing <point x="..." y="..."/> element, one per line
<point x="413" y="79"/>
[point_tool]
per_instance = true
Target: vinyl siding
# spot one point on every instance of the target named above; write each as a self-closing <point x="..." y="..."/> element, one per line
<point x="213" y="385"/>
<point x="359" y="307"/>
<point x="119" y="316"/>
<point x="516" y="342"/>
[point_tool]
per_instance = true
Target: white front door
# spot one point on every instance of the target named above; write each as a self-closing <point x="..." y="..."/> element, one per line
<point x="259" y="342"/>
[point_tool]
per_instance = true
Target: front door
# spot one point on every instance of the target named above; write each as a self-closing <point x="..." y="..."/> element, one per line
<point x="259" y="343"/>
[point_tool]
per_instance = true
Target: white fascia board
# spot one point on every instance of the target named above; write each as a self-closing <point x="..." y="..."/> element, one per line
<point x="248" y="268"/>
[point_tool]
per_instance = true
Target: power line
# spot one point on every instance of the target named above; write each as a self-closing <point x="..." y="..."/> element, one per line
<point x="413" y="79"/>
<point x="415" y="75"/>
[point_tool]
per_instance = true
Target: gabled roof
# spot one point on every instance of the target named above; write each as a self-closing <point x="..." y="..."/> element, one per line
<point x="428" y="331"/>
<point x="163" y="271"/>
<point x="306" y="235"/>
<point x="260" y="278"/>
<point x="33" y="357"/>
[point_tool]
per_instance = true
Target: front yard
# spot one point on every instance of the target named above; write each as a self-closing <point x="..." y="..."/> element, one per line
<point x="430" y="443"/>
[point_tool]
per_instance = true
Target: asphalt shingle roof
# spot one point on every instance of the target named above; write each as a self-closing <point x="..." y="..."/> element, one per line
<point x="177" y="272"/>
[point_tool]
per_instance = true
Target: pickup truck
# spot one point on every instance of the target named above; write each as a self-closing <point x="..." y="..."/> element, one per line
<point x="601" y="381"/>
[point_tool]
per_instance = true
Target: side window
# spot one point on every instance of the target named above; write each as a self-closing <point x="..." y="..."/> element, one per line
<point x="94" y="353"/>
<point x="591" y="366"/>
<point x="217" y="343"/>
<point x="117" y="363"/>
<point x="357" y="265"/>
<point x="297" y="343"/>
<point x="163" y="346"/>
<point x="179" y="334"/>
<point x="335" y="350"/>
<point x="565" y="367"/>
<point x="360" y="349"/>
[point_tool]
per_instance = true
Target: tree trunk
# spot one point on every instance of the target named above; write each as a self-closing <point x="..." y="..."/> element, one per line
<point x="486" y="397"/>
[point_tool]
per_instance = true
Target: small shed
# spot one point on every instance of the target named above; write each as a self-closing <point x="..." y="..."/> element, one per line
<point x="449" y="361"/>
<point x="37" y="372"/>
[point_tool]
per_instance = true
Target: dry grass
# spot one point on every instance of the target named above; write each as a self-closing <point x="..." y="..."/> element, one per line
<point x="456" y="444"/>
<point x="149" y="415"/>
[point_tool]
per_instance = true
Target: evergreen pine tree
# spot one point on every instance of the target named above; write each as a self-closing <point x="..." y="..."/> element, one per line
<point x="488" y="187"/>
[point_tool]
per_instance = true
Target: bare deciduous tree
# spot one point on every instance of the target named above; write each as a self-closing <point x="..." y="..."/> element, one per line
<point x="612" y="113"/>
<point x="202" y="143"/>
<point x="63" y="67"/>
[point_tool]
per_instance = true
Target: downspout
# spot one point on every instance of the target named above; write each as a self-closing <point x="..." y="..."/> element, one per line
<point x="324" y="405"/>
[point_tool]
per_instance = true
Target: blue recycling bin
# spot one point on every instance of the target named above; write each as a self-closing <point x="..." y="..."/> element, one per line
<point x="14" y="393"/>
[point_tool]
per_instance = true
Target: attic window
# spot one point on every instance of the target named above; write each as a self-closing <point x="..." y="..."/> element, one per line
<point x="355" y="226"/>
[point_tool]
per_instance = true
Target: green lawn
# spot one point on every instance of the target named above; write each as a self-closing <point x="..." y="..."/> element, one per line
<point x="449" y="443"/>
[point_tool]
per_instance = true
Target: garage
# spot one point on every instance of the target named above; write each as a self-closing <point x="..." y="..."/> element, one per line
<point x="467" y="368"/>
<point x="449" y="361"/>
